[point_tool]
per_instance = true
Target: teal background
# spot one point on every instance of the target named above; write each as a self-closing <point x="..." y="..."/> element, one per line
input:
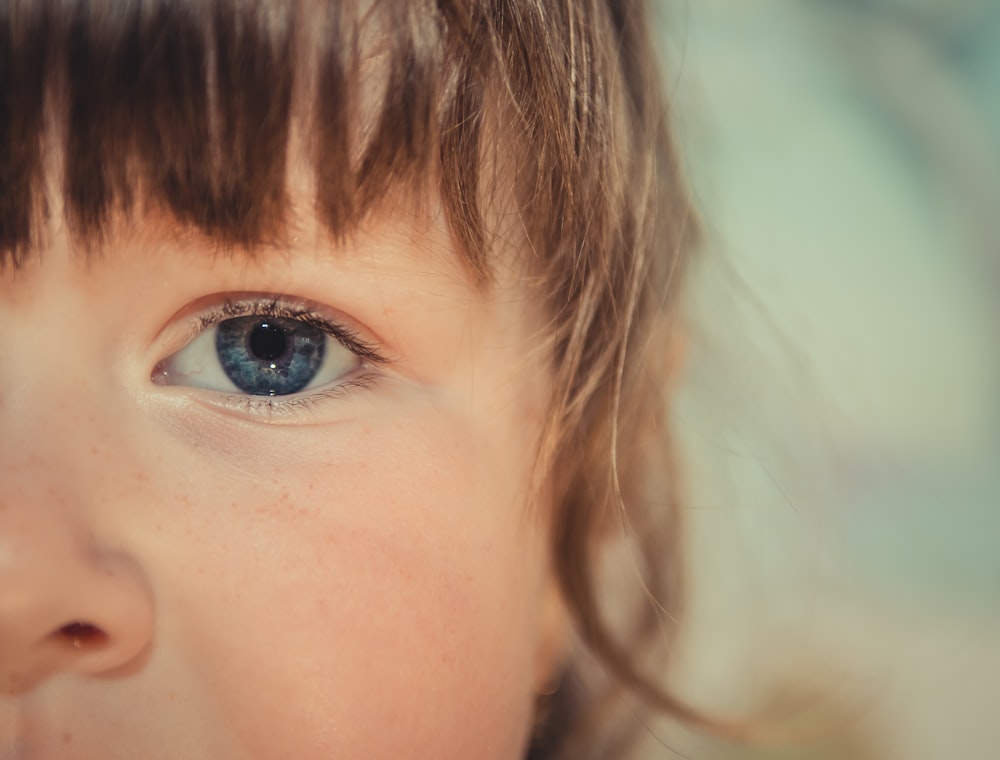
<point x="840" y="409"/>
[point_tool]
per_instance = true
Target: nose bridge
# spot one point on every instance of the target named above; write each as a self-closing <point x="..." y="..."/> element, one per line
<point x="70" y="599"/>
<point x="49" y="467"/>
<point x="48" y="453"/>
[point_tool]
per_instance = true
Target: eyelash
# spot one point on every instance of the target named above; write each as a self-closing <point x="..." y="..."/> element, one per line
<point x="276" y="306"/>
<point x="282" y="405"/>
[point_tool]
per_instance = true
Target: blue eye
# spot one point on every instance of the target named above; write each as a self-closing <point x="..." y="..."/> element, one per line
<point x="269" y="356"/>
<point x="263" y="355"/>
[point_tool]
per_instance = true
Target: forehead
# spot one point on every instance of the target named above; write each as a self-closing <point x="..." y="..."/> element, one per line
<point x="233" y="122"/>
<point x="405" y="238"/>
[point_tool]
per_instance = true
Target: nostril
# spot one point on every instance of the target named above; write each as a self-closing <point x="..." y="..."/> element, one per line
<point x="79" y="635"/>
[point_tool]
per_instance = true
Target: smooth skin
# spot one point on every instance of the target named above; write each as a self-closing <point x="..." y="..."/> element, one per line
<point x="360" y="573"/>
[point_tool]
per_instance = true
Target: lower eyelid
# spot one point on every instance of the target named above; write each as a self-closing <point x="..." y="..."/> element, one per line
<point x="280" y="408"/>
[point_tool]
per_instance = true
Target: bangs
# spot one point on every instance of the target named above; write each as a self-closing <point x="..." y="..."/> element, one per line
<point x="187" y="108"/>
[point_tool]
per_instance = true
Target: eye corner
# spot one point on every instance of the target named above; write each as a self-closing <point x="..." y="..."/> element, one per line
<point x="160" y="375"/>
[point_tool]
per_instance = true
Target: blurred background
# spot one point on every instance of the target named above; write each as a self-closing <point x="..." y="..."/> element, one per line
<point x="840" y="411"/>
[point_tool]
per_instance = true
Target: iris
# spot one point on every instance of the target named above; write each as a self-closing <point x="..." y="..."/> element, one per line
<point x="270" y="356"/>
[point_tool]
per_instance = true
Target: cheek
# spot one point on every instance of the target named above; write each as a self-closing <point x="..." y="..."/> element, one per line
<point x="375" y="597"/>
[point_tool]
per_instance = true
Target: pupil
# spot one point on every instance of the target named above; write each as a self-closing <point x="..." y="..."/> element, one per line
<point x="268" y="341"/>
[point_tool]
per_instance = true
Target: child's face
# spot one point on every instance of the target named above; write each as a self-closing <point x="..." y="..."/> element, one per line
<point x="347" y="572"/>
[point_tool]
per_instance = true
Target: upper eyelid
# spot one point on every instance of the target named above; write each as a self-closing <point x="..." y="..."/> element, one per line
<point x="288" y="307"/>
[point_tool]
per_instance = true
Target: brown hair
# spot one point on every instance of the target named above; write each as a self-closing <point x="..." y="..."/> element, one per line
<point x="188" y="107"/>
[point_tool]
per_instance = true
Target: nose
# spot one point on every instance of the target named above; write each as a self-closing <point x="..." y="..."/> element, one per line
<point x="67" y="603"/>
